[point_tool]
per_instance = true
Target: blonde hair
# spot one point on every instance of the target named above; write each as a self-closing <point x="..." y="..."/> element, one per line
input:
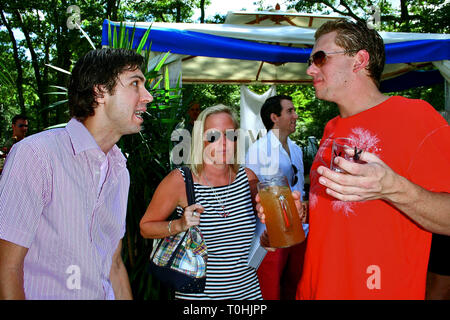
<point x="197" y="145"/>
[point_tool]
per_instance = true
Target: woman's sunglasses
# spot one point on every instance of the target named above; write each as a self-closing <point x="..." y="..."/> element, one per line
<point x="214" y="135"/>
<point x="320" y="57"/>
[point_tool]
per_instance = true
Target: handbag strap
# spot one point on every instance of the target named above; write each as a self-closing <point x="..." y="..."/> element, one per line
<point x="190" y="194"/>
<point x="189" y="182"/>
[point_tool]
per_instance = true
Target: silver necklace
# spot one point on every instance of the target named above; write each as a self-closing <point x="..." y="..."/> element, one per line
<point x="222" y="204"/>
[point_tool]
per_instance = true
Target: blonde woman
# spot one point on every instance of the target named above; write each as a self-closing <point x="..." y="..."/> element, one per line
<point x="224" y="210"/>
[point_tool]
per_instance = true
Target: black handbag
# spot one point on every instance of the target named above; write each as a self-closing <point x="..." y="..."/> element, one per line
<point x="179" y="261"/>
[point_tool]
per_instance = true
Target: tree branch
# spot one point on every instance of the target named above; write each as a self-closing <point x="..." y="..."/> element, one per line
<point x="17" y="61"/>
<point x="34" y="59"/>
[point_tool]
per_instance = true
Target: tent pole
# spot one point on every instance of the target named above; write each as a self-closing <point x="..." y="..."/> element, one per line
<point x="447" y="96"/>
<point x="446" y="112"/>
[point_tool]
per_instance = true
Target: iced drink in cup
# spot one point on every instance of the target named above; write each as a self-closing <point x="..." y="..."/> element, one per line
<point x="283" y="223"/>
<point x="348" y="149"/>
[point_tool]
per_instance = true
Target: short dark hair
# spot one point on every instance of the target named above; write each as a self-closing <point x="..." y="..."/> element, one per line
<point x="355" y="36"/>
<point x="272" y="105"/>
<point x="98" y="67"/>
<point x="18" y="117"/>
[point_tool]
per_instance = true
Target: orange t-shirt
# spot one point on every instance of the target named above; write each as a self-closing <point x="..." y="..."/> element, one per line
<point x="370" y="250"/>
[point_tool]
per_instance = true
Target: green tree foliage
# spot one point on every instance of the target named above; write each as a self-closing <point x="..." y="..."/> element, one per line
<point x="43" y="38"/>
<point x="164" y="10"/>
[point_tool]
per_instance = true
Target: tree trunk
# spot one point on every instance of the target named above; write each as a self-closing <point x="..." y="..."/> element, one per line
<point x="64" y="55"/>
<point x="112" y="7"/>
<point x="178" y="10"/>
<point x="202" y="10"/>
<point x="17" y="61"/>
<point x="43" y="101"/>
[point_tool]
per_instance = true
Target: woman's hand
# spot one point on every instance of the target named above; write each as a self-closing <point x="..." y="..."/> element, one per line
<point x="191" y="216"/>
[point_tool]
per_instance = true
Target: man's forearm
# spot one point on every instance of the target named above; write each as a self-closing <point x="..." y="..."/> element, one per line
<point x="120" y="282"/>
<point x="429" y="209"/>
<point x="11" y="270"/>
<point x="11" y="284"/>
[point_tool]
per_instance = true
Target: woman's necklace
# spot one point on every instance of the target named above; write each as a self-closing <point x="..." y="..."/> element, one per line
<point x="222" y="204"/>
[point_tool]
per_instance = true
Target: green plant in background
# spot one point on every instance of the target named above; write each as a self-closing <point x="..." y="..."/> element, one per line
<point x="148" y="160"/>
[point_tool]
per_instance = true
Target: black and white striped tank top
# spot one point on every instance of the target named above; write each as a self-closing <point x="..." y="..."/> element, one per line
<point x="228" y="240"/>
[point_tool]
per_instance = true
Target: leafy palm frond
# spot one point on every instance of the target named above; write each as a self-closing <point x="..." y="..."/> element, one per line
<point x="86" y="36"/>
<point x="5" y="77"/>
<point x="54" y="105"/>
<point x="59" y="87"/>
<point x="58" y="69"/>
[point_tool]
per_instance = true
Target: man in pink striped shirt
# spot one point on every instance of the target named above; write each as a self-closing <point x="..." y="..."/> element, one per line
<point x="63" y="192"/>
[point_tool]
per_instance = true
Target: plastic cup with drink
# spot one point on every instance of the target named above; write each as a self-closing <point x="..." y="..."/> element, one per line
<point x="348" y="149"/>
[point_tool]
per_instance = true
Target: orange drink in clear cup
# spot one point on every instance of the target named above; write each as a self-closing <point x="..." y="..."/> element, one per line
<point x="283" y="223"/>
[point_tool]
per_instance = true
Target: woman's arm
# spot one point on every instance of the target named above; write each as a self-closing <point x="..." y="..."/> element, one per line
<point x="252" y="181"/>
<point x="170" y="193"/>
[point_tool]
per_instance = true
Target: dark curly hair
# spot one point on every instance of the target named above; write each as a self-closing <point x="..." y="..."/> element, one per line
<point x="97" y="67"/>
<point x="272" y="105"/>
<point x="355" y="36"/>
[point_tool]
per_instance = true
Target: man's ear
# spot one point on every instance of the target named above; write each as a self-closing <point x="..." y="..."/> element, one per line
<point x="361" y="61"/>
<point x="99" y="93"/>
<point x="274" y="118"/>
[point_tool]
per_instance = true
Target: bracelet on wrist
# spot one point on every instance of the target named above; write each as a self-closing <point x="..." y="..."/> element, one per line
<point x="168" y="227"/>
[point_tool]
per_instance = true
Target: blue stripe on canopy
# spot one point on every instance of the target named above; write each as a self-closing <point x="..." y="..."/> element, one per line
<point x="417" y="51"/>
<point x="201" y="44"/>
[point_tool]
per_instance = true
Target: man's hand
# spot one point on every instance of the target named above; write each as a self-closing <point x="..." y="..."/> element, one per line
<point x="264" y="240"/>
<point x="295" y="194"/>
<point x="360" y="182"/>
<point x="375" y="180"/>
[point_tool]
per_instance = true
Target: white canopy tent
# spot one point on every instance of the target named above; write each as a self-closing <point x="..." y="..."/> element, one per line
<point x="273" y="48"/>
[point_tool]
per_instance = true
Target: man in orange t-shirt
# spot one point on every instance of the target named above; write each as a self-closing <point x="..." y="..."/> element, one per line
<point x="368" y="237"/>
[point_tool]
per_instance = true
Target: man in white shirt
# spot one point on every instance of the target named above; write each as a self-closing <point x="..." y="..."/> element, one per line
<point x="280" y="271"/>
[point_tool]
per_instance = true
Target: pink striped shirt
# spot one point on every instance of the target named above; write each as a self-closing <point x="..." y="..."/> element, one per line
<point x="50" y="205"/>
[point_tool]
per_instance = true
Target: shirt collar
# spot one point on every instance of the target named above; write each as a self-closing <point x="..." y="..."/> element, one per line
<point x="82" y="140"/>
<point x="276" y="141"/>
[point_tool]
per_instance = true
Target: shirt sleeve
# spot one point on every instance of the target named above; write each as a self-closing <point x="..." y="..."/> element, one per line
<point x="24" y="191"/>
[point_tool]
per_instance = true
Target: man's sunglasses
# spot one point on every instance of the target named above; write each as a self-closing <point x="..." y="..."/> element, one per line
<point x="214" y="135"/>
<point x="320" y="57"/>
<point x="294" y="177"/>
<point x="21" y="125"/>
